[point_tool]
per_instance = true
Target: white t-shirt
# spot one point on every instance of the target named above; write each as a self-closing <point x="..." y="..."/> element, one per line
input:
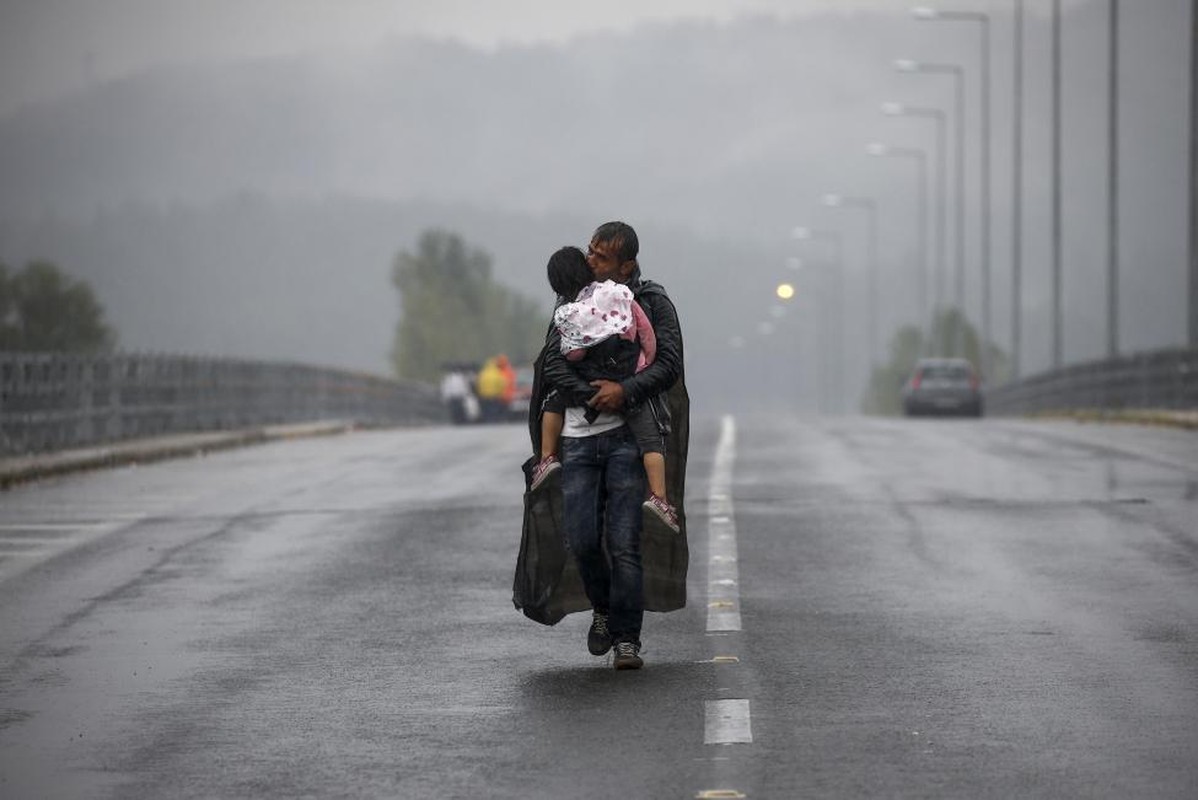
<point x="577" y="427"/>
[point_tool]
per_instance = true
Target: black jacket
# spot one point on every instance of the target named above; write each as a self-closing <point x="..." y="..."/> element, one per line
<point x="613" y="359"/>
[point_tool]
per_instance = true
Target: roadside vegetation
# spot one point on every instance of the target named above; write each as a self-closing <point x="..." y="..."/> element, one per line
<point x="42" y="309"/>
<point x="452" y="311"/>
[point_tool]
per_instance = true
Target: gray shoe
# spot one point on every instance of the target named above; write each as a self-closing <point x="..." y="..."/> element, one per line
<point x="628" y="656"/>
<point x="598" y="637"/>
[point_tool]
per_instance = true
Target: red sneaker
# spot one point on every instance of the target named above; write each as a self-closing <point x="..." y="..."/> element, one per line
<point x="544" y="468"/>
<point x="664" y="511"/>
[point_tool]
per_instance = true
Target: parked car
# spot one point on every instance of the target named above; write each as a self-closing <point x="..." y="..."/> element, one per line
<point x="943" y="386"/>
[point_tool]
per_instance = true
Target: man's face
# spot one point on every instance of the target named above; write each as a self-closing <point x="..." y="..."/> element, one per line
<point x="604" y="260"/>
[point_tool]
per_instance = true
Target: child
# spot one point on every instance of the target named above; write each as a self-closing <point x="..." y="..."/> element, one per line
<point x="603" y="317"/>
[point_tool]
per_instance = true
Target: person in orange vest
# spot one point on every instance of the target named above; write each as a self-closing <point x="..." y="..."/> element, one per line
<point x="509" y="380"/>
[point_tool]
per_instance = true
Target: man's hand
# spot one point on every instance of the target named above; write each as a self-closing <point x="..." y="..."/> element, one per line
<point x="608" y="397"/>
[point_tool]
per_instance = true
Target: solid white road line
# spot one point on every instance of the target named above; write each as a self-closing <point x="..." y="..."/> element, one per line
<point x="727" y="722"/>
<point x="723" y="594"/>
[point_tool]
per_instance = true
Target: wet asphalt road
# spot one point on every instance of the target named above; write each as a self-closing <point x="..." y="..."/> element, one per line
<point x="929" y="609"/>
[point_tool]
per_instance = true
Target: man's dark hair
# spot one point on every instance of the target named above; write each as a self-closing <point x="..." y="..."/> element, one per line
<point x="622" y="236"/>
<point x="568" y="272"/>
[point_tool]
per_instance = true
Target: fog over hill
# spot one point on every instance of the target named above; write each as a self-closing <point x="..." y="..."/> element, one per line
<point x="254" y="208"/>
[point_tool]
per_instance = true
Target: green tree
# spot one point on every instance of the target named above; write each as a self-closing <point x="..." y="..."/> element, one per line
<point x="452" y="310"/>
<point x="909" y="345"/>
<point x="44" y="310"/>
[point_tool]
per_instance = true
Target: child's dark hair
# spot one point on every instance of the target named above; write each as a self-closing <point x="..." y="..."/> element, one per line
<point x="568" y="272"/>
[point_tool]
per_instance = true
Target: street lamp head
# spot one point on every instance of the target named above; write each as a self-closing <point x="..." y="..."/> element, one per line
<point x="876" y="149"/>
<point x="893" y="109"/>
<point x="832" y="200"/>
<point x="906" y="65"/>
<point x="925" y="12"/>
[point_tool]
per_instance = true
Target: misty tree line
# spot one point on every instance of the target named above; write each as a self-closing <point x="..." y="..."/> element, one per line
<point x="451" y="310"/>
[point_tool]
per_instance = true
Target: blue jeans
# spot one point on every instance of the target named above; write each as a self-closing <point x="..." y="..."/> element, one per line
<point x="603" y="486"/>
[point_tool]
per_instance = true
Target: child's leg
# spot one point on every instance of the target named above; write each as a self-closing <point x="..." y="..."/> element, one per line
<point x="655" y="471"/>
<point x="551" y="433"/>
<point x="649" y="439"/>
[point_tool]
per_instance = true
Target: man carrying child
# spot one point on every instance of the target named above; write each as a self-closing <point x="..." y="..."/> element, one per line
<point x="603" y="476"/>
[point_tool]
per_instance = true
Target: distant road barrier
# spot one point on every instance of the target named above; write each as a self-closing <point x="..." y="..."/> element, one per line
<point x="53" y="401"/>
<point x="1165" y="379"/>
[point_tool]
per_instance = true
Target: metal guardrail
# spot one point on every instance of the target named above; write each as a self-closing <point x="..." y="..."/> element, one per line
<point x="55" y="401"/>
<point x="1164" y="379"/>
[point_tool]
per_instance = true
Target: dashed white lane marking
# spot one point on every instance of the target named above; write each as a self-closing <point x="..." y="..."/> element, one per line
<point x="723" y="596"/>
<point x="727" y="722"/>
<point x="25" y="543"/>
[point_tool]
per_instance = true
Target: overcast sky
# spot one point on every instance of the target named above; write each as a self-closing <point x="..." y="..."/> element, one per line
<point x="50" y="47"/>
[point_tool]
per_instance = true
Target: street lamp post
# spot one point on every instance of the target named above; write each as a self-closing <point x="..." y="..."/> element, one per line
<point x="836" y="352"/>
<point x="958" y="73"/>
<point x="1017" y="198"/>
<point x="1192" y="307"/>
<point x="983" y="21"/>
<point x="920" y="157"/>
<point x="940" y="235"/>
<point x="1056" y="186"/>
<point x="870" y="207"/>
<point x="1112" y="310"/>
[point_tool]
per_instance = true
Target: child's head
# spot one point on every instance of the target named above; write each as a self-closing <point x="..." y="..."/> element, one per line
<point x="568" y="272"/>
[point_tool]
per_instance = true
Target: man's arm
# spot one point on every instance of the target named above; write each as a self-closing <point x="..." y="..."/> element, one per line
<point x="561" y="375"/>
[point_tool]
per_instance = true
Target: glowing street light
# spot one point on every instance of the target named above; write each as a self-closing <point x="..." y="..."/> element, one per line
<point x="785" y="291"/>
